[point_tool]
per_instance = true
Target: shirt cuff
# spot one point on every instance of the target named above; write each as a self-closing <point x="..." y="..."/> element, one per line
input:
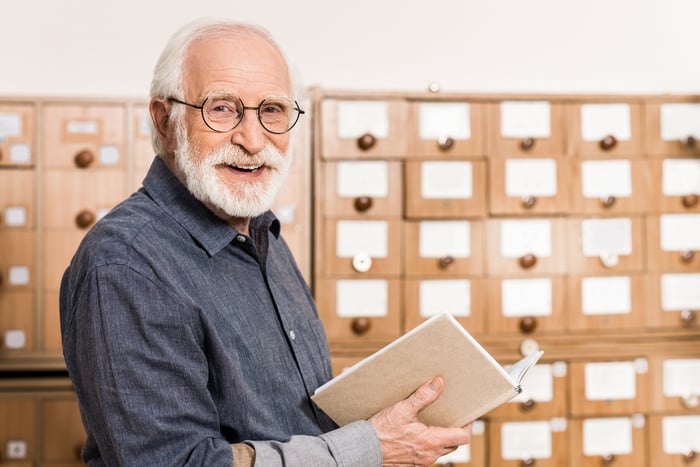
<point x="355" y="444"/>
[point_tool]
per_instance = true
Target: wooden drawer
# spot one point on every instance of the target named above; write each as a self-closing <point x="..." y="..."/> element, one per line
<point x="543" y="443"/>
<point x="673" y="242"/>
<point x="17" y="131"/>
<point x="17" y="428"/>
<point x="446" y="129"/>
<point x="363" y="128"/>
<point x="674" y="440"/>
<point x="16" y="323"/>
<point x="16" y="260"/>
<point x="674" y="185"/>
<point x="16" y="198"/>
<point x="84" y="136"/>
<point x="673" y="301"/>
<point x="522" y="128"/>
<point x="618" y="441"/>
<point x="672" y="128"/>
<point x="605" y="130"/>
<point x="675" y="386"/>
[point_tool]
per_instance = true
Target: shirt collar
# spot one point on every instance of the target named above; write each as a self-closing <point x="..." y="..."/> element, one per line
<point x="210" y="231"/>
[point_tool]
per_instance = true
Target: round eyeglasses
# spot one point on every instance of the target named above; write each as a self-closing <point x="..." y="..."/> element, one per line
<point x="277" y="115"/>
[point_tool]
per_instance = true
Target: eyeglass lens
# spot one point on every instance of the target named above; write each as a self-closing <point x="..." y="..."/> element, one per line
<point x="277" y="115"/>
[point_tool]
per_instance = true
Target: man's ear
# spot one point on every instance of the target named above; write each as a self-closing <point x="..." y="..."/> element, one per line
<point x="160" y="116"/>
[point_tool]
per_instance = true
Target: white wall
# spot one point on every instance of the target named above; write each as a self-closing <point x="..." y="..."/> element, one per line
<point x="107" y="48"/>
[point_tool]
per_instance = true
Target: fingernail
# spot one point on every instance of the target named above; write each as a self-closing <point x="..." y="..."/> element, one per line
<point x="434" y="384"/>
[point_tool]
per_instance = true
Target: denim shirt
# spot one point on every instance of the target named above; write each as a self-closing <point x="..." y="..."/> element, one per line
<point x="182" y="336"/>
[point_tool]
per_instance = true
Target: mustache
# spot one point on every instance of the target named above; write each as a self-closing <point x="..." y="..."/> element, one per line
<point x="234" y="155"/>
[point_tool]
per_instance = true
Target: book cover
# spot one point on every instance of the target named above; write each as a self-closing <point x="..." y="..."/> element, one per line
<point x="475" y="382"/>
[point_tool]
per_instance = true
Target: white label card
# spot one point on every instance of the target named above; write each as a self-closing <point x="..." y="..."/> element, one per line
<point x="680" y="177"/>
<point x="362" y="178"/>
<point x="461" y="455"/>
<point x="606" y="295"/>
<point x="681" y="377"/>
<point x="15" y="216"/>
<point x="680" y="292"/>
<point x="438" y="239"/>
<point x="20" y="153"/>
<point x="355" y="118"/>
<point x="603" y="436"/>
<point x="600" y="179"/>
<point x="520" y="237"/>
<point x="526" y="297"/>
<point x="610" y="381"/>
<point x="679" y="232"/>
<point x="602" y="237"/>
<point x="369" y="237"/>
<point x="538" y="385"/>
<point x="361" y="298"/>
<point x="444" y="119"/>
<point x="678" y="121"/>
<point x="601" y="120"/>
<point x="109" y="155"/>
<point x="681" y="434"/>
<point x="531" y="177"/>
<point x="10" y="125"/>
<point x="82" y="127"/>
<point x="19" y="275"/>
<point x="526" y="440"/>
<point x="523" y="119"/>
<point x="451" y="296"/>
<point x="144" y="125"/>
<point x="446" y="180"/>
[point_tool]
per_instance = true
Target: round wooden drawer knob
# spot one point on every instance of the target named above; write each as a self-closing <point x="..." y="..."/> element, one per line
<point x="607" y="459"/>
<point x="607" y="143"/>
<point x="84" y="158"/>
<point x="608" y="201"/>
<point x="363" y="203"/>
<point x="360" y="326"/>
<point x="528" y="201"/>
<point x="690" y="142"/>
<point x="527" y="405"/>
<point x="690" y="401"/>
<point x="689" y="456"/>
<point x="527" y="144"/>
<point x="687" y="256"/>
<point x="445" y="262"/>
<point x="687" y="317"/>
<point x="84" y="219"/>
<point x="528" y="324"/>
<point x="445" y="143"/>
<point x="527" y="261"/>
<point x="690" y="201"/>
<point x="527" y="462"/>
<point x="366" y="141"/>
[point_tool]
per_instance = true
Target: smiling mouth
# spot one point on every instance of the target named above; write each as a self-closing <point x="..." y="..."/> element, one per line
<point x="245" y="169"/>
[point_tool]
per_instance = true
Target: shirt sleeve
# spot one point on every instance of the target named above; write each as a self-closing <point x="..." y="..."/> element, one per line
<point x="349" y="446"/>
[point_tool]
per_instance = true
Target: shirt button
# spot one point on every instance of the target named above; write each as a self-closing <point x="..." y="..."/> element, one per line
<point x="292" y="335"/>
<point x="240" y="238"/>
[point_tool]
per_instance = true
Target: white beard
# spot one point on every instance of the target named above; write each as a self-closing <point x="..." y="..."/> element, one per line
<point x="244" y="200"/>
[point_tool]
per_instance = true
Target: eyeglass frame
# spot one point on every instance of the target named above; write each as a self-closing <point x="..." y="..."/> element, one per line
<point x="296" y="107"/>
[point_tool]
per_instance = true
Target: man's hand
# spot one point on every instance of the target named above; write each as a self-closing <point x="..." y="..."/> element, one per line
<point x="405" y="440"/>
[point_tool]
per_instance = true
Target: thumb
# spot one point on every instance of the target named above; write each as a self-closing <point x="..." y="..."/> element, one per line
<point x="426" y="394"/>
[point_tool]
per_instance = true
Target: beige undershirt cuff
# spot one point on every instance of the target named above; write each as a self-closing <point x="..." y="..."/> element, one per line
<point x="243" y="455"/>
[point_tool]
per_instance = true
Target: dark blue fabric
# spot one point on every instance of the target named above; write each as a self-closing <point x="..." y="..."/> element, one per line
<point x="177" y="334"/>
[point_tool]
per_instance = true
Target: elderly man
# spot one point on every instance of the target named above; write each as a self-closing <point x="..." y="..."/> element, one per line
<point x="189" y="333"/>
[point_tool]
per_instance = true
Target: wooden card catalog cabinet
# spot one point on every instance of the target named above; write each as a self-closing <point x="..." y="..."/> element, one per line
<point x="17" y="121"/>
<point x="443" y="248"/>
<point x="526" y="246"/>
<point x="543" y="395"/>
<point x="470" y="455"/>
<point x="606" y="245"/>
<point x="362" y="188"/>
<point x="17" y="430"/>
<point x="363" y="128"/>
<point x="674" y="440"/>
<point x="605" y="129"/>
<point x="673" y="242"/>
<point x="673" y="127"/>
<point x="674" y="301"/>
<point x="526" y="306"/>
<point x="62" y="431"/>
<point x="16" y="198"/>
<point x="360" y="310"/>
<point x="606" y="303"/>
<point x="610" y="387"/>
<point x="446" y="130"/>
<point x="541" y="443"/>
<point x="464" y="298"/>
<point x="609" y="187"/>
<point x="445" y="189"/>
<point x="674" y="185"/>
<point x="675" y="384"/>
<point x="618" y="441"/>
<point x="526" y="128"/>
<point x="533" y="186"/>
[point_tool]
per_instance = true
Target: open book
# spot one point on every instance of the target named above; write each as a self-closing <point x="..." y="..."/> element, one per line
<point x="475" y="382"/>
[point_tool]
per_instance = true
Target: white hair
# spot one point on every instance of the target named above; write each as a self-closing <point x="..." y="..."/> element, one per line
<point x="168" y="72"/>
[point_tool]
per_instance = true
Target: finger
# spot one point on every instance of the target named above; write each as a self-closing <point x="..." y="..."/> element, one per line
<point x="426" y="394"/>
<point x="452" y="437"/>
